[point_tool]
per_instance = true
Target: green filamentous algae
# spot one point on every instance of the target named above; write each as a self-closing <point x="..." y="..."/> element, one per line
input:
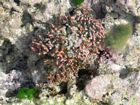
<point x="27" y="93"/>
<point x="118" y="36"/>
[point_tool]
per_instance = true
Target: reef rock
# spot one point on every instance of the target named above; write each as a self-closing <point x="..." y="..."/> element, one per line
<point x="133" y="6"/>
<point x="98" y="86"/>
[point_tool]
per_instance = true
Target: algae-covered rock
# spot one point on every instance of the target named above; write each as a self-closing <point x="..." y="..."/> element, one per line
<point x="118" y="36"/>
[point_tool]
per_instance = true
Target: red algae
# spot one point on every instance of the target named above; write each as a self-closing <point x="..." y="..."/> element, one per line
<point x="68" y="43"/>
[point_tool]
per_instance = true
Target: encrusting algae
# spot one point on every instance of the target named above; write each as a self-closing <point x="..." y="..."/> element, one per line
<point x="68" y="43"/>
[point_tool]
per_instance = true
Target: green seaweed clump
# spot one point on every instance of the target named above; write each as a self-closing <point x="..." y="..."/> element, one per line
<point x="77" y="2"/>
<point x="118" y="36"/>
<point x="27" y="93"/>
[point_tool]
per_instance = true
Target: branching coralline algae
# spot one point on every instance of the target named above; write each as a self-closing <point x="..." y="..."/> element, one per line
<point x="68" y="43"/>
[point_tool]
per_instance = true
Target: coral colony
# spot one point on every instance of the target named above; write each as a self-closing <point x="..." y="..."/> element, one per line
<point x="68" y="43"/>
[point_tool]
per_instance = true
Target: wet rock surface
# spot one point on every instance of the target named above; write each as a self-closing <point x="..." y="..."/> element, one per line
<point x="109" y="81"/>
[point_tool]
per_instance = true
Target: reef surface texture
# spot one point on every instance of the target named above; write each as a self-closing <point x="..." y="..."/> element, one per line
<point x="69" y="43"/>
<point x="54" y="52"/>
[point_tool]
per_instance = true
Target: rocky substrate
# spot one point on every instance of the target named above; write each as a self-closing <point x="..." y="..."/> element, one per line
<point x="111" y="81"/>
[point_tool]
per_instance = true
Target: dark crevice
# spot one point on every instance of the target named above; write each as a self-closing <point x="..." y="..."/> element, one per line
<point x="17" y="2"/>
<point x="84" y="75"/>
<point x="63" y="87"/>
<point x="29" y="83"/>
<point x="100" y="11"/>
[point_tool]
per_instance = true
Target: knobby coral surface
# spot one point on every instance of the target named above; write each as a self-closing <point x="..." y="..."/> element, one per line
<point x="68" y="43"/>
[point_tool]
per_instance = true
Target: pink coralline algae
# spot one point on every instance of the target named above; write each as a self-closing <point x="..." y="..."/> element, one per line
<point x="68" y="43"/>
<point x="98" y="86"/>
